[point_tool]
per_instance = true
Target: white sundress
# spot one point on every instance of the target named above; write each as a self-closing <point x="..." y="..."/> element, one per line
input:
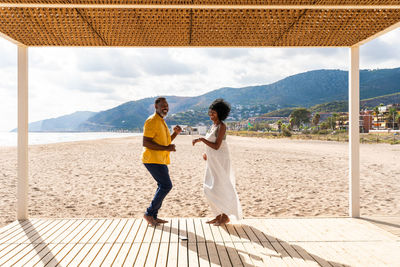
<point x="219" y="180"/>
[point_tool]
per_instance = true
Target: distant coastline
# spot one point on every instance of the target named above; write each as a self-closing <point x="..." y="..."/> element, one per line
<point x="9" y="139"/>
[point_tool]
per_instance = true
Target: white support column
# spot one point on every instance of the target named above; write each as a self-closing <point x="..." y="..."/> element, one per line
<point x="354" y="132"/>
<point x="22" y="185"/>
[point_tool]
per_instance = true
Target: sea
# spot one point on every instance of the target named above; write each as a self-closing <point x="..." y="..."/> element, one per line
<point x="9" y="139"/>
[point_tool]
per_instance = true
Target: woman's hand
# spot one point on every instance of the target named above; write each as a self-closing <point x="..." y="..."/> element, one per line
<point x="196" y="141"/>
<point x="204" y="156"/>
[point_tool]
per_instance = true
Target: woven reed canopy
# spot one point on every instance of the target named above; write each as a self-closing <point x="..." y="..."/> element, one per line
<point x="218" y="23"/>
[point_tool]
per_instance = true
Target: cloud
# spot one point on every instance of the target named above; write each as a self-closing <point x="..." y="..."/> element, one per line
<point x="228" y="54"/>
<point x="8" y="54"/>
<point x="383" y="52"/>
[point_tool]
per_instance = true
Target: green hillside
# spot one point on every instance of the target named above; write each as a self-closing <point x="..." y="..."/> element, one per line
<point x="305" y="89"/>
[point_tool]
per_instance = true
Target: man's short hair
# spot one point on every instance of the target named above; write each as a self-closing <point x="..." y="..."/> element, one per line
<point x="159" y="99"/>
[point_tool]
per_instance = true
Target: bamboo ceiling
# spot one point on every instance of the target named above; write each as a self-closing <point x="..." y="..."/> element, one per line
<point x="215" y="23"/>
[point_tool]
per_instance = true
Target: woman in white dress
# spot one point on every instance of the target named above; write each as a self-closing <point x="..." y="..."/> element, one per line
<point x="219" y="182"/>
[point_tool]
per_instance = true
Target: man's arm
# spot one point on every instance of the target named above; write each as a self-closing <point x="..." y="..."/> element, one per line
<point x="150" y="144"/>
<point x="177" y="130"/>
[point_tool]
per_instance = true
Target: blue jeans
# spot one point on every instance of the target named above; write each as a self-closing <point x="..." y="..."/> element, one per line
<point x="161" y="175"/>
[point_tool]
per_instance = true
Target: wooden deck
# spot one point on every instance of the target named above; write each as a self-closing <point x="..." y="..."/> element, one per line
<point x="191" y="242"/>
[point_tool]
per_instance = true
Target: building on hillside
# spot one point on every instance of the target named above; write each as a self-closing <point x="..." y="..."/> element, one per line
<point x="184" y="129"/>
<point x="198" y="129"/>
<point x="384" y="120"/>
<point x="366" y="121"/>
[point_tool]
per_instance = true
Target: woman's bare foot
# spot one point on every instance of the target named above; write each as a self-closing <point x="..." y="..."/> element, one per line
<point x="214" y="220"/>
<point x="224" y="219"/>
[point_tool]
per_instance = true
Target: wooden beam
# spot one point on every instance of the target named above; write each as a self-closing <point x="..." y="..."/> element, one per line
<point x="354" y="132"/>
<point x="22" y="184"/>
<point x="376" y="35"/>
<point x="8" y="38"/>
<point x="190" y="6"/>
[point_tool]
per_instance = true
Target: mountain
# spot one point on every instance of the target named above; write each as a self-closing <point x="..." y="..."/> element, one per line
<point x="376" y="101"/>
<point x="304" y="89"/>
<point x="66" y="123"/>
<point x="132" y="115"/>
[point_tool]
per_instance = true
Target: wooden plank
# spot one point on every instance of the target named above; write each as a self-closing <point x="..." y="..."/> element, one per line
<point x="237" y="242"/>
<point x="13" y="227"/>
<point x="40" y="249"/>
<point x="24" y="232"/>
<point x="193" y="258"/>
<point x="53" y="254"/>
<point x="183" y="253"/>
<point x="249" y="246"/>
<point x="86" y="238"/>
<point x="258" y="246"/>
<point x="93" y="253"/>
<point x="117" y="246"/>
<point x="266" y="236"/>
<point x="90" y="241"/>
<point x="154" y="246"/>
<point x="211" y="246"/>
<point x="107" y="246"/>
<point x="316" y="232"/>
<point x="309" y="261"/>
<point x="164" y="246"/>
<point x="82" y="239"/>
<point x="230" y="247"/>
<point x="201" y="244"/>
<point x="33" y="236"/>
<point x="220" y="245"/>
<point x="10" y="244"/>
<point x="136" y="243"/>
<point x="261" y="230"/>
<point x="279" y="231"/>
<point x="172" y="257"/>
<point x="292" y="256"/>
<point x="145" y="246"/>
<point x="127" y="243"/>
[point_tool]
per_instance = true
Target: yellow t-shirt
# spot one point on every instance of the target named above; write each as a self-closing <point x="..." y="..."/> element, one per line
<point x="156" y="128"/>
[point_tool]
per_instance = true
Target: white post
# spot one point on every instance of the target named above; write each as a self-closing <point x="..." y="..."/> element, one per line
<point x="22" y="185"/>
<point x="354" y="132"/>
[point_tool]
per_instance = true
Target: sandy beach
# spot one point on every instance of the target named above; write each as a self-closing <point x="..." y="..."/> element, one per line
<point x="275" y="177"/>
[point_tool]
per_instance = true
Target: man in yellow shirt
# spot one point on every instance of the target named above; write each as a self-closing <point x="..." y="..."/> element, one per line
<point x="157" y="146"/>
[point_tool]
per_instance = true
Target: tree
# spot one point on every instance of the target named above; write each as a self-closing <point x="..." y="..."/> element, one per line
<point x="331" y="122"/>
<point x="291" y="123"/>
<point x="279" y="125"/>
<point x="376" y="110"/>
<point x="300" y="116"/>
<point x="398" y="121"/>
<point x="316" y="118"/>
<point x="391" y="116"/>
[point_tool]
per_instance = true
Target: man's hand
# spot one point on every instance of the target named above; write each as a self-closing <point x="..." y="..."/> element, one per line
<point x="177" y="129"/>
<point x="171" y="147"/>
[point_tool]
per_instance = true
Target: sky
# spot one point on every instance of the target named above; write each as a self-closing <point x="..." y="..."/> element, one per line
<point x="64" y="80"/>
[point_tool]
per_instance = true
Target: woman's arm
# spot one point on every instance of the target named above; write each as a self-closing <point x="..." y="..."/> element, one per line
<point x="215" y="145"/>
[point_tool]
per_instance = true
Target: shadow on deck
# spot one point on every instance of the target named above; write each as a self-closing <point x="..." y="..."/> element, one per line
<point x="192" y="242"/>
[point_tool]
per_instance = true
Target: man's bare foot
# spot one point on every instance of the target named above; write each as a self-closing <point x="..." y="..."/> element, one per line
<point x="224" y="219"/>
<point x="150" y="220"/>
<point x="214" y="220"/>
<point x="158" y="220"/>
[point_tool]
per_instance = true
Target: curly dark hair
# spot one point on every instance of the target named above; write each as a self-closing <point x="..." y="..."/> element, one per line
<point x="221" y="107"/>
